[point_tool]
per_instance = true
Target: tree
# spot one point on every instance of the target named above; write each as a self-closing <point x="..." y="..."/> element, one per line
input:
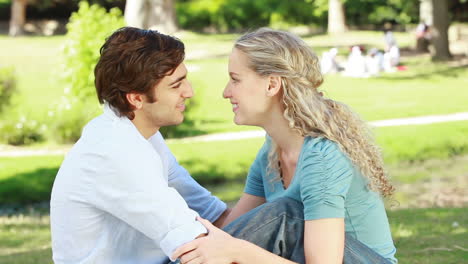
<point x="18" y="17"/>
<point x="151" y="14"/>
<point x="336" y="17"/>
<point x="441" y="22"/>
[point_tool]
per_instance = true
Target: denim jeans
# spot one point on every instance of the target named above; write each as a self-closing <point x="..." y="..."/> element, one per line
<point x="278" y="227"/>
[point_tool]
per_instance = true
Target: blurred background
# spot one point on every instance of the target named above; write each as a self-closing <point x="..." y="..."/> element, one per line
<point x="401" y="64"/>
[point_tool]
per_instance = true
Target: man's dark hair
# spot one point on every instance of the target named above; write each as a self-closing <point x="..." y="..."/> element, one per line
<point x="134" y="60"/>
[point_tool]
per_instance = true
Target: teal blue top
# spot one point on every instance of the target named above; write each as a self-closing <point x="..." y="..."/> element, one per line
<point x="329" y="186"/>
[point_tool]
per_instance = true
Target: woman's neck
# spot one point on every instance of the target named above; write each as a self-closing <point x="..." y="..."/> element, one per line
<point x="288" y="140"/>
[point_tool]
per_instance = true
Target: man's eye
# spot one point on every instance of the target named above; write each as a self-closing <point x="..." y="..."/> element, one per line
<point x="177" y="86"/>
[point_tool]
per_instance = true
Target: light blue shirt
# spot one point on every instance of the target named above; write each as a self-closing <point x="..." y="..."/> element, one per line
<point x="329" y="186"/>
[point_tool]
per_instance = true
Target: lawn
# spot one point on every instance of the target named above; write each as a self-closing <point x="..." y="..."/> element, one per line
<point x="408" y="150"/>
<point x="422" y="236"/>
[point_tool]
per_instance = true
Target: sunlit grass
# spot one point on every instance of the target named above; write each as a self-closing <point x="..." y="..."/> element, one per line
<point x="436" y="235"/>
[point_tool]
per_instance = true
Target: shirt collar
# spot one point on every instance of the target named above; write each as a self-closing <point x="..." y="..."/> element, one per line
<point x="113" y="113"/>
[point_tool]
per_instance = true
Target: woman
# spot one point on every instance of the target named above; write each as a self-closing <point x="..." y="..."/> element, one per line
<point x="317" y="152"/>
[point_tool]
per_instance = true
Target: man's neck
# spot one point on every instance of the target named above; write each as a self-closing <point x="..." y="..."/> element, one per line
<point x="145" y="130"/>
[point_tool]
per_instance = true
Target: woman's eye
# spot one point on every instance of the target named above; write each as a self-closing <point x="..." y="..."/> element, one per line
<point x="177" y="86"/>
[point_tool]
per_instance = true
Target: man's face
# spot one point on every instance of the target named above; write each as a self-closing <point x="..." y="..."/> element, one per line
<point x="170" y="94"/>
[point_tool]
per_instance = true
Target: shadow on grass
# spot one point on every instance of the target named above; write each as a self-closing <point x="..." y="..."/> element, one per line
<point x="29" y="187"/>
<point x="38" y="256"/>
<point x="453" y="72"/>
<point x="214" y="173"/>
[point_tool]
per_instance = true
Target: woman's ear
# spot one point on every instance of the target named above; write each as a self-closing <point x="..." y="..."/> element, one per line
<point x="274" y="85"/>
<point x="135" y="99"/>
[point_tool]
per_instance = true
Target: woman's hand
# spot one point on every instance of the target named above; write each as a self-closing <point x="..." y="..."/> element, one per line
<point x="218" y="247"/>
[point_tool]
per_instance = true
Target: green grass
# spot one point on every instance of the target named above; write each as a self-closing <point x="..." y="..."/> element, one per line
<point x="423" y="142"/>
<point x="408" y="150"/>
<point x="25" y="239"/>
<point x="425" y="89"/>
<point x="27" y="179"/>
<point x="422" y="236"/>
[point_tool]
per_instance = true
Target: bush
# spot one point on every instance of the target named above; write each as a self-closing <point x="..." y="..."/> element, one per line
<point x="22" y="131"/>
<point x="87" y="30"/>
<point x="7" y="86"/>
<point x="69" y="118"/>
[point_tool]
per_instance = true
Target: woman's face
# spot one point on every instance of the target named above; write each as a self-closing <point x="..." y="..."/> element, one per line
<point x="246" y="90"/>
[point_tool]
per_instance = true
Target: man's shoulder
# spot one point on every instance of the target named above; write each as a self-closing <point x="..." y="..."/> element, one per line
<point x="111" y="138"/>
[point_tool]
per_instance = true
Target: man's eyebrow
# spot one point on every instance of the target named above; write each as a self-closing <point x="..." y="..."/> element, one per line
<point x="178" y="79"/>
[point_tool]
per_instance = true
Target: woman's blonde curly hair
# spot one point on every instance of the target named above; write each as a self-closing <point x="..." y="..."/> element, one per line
<point x="273" y="52"/>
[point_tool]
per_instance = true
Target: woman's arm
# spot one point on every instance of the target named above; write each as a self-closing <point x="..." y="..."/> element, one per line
<point x="219" y="247"/>
<point x="246" y="203"/>
<point x="324" y="240"/>
<point x="323" y="243"/>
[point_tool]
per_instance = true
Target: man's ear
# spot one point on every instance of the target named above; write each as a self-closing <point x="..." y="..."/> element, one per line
<point x="135" y="99"/>
<point x="274" y="85"/>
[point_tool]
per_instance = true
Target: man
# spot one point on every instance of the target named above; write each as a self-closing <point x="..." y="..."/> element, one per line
<point x="120" y="196"/>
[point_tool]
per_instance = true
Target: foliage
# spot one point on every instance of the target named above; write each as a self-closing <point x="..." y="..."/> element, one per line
<point x="87" y="31"/>
<point x="69" y="118"/>
<point x="225" y="15"/>
<point x="7" y="86"/>
<point x="22" y="131"/>
<point x="397" y="11"/>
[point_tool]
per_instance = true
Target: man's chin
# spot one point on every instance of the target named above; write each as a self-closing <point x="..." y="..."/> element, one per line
<point x="177" y="122"/>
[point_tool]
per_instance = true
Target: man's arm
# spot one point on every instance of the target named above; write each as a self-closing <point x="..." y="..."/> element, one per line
<point x="132" y="188"/>
<point x="198" y="198"/>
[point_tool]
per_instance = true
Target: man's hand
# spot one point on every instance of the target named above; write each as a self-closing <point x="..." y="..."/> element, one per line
<point x="218" y="247"/>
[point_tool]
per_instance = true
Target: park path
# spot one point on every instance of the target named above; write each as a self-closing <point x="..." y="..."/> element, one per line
<point x="9" y="151"/>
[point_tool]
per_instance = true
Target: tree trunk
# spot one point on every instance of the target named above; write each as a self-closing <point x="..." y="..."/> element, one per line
<point x="162" y="16"/>
<point x="153" y="14"/>
<point x="426" y="12"/>
<point x="336" y="17"/>
<point x="18" y="17"/>
<point x="440" y="30"/>
<point x="136" y="13"/>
